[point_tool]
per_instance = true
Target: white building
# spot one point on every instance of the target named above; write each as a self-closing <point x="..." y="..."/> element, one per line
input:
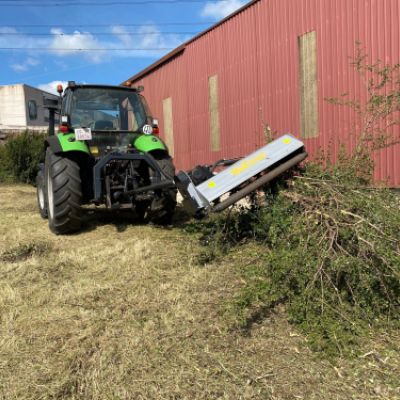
<point x="21" y="107"/>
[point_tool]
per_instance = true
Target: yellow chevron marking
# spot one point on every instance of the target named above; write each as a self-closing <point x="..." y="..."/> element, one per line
<point x="246" y="164"/>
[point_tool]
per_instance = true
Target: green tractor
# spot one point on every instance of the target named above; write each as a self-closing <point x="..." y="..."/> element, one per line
<point x="106" y="152"/>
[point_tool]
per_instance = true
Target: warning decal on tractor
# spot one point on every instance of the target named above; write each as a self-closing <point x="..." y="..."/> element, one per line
<point x="83" y="134"/>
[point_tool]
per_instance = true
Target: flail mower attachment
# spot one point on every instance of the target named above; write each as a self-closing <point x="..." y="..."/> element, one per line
<point x="241" y="178"/>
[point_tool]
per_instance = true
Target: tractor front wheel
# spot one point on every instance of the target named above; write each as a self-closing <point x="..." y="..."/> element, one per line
<point x="64" y="193"/>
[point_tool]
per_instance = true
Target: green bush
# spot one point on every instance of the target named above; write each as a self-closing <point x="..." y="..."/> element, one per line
<point x="20" y="156"/>
<point x="328" y="250"/>
<point x="5" y="175"/>
<point x="329" y="243"/>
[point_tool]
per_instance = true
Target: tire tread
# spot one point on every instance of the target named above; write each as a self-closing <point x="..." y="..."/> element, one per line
<point x="67" y="194"/>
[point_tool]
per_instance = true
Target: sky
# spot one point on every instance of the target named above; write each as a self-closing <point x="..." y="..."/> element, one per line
<point x="46" y="42"/>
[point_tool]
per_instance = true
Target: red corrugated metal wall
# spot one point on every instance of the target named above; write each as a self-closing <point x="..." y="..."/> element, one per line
<point x="256" y="58"/>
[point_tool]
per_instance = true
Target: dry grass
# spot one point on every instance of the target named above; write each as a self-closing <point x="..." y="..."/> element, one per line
<point x="122" y="311"/>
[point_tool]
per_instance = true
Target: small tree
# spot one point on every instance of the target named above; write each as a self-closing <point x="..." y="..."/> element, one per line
<point x="379" y="113"/>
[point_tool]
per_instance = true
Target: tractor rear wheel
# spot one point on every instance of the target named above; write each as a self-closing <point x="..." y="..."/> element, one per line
<point x="64" y="193"/>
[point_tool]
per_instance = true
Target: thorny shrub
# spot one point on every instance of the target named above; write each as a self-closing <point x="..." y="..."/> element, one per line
<point x="330" y="243"/>
<point x="329" y="250"/>
<point x="380" y="112"/>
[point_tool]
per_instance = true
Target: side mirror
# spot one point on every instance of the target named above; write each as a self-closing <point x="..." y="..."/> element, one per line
<point x="51" y="103"/>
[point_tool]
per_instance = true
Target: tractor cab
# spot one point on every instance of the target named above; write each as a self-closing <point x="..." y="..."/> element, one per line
<point x="108" y="118"/>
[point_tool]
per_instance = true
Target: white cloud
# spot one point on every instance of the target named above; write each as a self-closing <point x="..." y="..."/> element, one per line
<point x="69" y="43"/>
<point x="221" y="9"/>
<point x="32" y="61"/>
<point x="147" y="40"/>
<point x="51" y="87"/>
<point x="25" y="65"/>
<point x="19" y="67"/>
<point x="122" y="35"/>
<point x="7" y="29"/>
<point x="19" y="39"/>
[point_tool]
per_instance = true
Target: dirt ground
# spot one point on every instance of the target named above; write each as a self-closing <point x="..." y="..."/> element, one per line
<point x="125" y="311"/>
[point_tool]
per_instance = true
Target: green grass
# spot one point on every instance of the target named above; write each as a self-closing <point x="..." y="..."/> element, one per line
<point x="125" y="311"/>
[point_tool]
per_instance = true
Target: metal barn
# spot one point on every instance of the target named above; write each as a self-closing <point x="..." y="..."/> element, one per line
<point x="272" y="62"/>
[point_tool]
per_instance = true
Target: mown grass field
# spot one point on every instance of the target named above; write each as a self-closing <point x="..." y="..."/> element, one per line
<point x="125" y="311"/>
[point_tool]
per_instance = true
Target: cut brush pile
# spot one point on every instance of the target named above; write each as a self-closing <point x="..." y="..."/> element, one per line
<point x="330" y="251"/>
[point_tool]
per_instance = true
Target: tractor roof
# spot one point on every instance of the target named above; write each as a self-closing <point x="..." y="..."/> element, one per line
<point x="72" y="85"/>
